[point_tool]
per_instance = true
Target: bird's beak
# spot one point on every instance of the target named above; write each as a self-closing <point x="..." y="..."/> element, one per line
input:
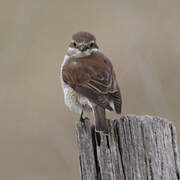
<point x="82" y="47"/>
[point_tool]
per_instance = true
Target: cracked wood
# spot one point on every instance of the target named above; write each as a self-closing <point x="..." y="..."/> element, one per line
<point x="136" y="148"/>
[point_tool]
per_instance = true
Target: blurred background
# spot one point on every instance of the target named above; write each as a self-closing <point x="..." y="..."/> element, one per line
<point x="37" y="131"/>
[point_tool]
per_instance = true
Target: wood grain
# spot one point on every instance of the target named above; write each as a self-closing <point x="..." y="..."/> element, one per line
<point x="136" y="148"/>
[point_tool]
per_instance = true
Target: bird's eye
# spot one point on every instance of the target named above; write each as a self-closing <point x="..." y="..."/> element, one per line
<point x="74" y="44"/>
<point x="91" y="45"/>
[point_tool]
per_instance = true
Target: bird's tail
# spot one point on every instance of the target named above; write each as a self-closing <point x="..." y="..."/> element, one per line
<point x="100" y="119"/>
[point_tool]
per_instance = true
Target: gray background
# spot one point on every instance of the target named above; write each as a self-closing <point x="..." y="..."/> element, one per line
<point x="37" y="131"/>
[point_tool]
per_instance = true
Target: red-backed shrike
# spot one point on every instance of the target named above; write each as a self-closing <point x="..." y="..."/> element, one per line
<point x="88" y="80"/>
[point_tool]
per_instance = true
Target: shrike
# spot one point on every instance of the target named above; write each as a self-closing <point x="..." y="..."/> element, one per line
<point x="88" y="80"/>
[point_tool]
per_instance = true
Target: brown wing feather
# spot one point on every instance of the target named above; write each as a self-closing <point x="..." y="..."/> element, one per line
<point x="94" y="78"/>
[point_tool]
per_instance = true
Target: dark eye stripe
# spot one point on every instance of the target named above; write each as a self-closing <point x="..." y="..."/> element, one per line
<point x="91" y="45"/>
<point x="74" y="44"/>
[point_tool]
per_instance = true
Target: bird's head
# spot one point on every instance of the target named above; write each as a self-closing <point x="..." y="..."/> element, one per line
<point x="82" y="44"/>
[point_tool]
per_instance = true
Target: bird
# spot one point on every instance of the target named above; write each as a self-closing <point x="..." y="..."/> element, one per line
<point x="88" y="80"/>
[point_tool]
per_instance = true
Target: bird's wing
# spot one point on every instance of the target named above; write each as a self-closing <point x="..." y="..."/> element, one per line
<point x="92" y="77"/>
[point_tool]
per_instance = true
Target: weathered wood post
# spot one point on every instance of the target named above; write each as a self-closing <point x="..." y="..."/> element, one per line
<point x="136" y="148"/>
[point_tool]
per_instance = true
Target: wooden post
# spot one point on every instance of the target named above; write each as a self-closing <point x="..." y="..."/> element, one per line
<point x="136" y="148"/>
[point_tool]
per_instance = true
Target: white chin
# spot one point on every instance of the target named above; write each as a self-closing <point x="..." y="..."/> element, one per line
<point x="74" y="52"/>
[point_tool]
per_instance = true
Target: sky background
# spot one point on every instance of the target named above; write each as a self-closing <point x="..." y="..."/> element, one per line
<point x="37" y="131"/>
